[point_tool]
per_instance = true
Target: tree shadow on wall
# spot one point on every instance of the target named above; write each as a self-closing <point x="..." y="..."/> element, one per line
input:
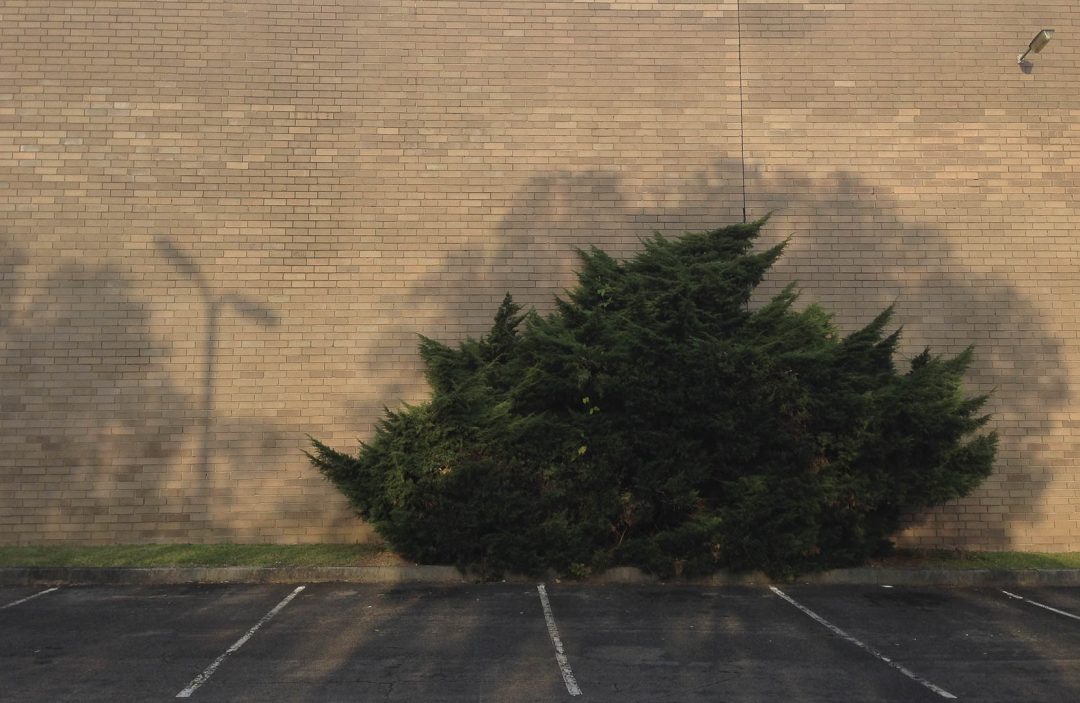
<point x="852" y="250"/>
<point x="461" y="287"/>
<point x="531" y="255"/>
<point x="856" y="252"/>
<point x="92" y="421"/>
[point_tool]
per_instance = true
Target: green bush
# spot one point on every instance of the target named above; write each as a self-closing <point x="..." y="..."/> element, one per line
<point x="655" y="419"/>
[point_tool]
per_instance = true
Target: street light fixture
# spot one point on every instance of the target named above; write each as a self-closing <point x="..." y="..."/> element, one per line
<point x="1041" y="39"/>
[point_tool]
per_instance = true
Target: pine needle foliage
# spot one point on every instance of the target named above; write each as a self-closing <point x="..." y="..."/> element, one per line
<point x="655" y="419"/>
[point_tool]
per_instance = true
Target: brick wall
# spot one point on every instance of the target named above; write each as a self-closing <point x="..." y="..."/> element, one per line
<point x="223" y="224"/>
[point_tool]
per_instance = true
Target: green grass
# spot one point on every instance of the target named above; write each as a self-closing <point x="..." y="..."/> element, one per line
<point x="200" y="555"/>
<point x="948" y="559"/>
<point x="373" y="555"/>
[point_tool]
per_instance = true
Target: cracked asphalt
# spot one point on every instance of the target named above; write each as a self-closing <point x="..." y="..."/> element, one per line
<point x="493" y="642"/>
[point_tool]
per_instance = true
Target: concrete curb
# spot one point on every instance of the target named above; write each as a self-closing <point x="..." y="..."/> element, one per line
<point x="947" y="577"/>
<point x="868" y="577"/>
<point x="448" y="575"/>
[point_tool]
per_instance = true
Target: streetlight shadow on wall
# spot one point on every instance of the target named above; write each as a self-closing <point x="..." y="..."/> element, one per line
<point x="215" y="304"/>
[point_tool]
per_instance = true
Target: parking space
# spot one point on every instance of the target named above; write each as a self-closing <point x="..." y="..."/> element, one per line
<point x="341" y="642"/>
<point x="497" y="642"/>
<point x="686" y="644"/>
<point x="978" y="644"/>
<point x="121" y="643"/>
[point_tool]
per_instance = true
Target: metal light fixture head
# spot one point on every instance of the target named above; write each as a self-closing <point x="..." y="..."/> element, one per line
<point x="1041" y="40"/>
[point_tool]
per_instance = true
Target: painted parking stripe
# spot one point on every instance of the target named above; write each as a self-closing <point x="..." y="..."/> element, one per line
<point x="1042" y="605"/>
<point x="862" y="645"/>
<point x="23" y="600"/>
<point x="209" y="671"/>
<point x="560" y="655"/>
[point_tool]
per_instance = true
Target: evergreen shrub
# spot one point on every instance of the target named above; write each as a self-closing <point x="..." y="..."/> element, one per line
<point x="656" y="419"/>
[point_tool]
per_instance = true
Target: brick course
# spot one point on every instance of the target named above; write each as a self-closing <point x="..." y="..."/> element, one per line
<point x="223" y="224"/>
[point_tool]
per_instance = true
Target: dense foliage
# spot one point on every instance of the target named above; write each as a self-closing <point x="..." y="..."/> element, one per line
<point x="655" y="419"/>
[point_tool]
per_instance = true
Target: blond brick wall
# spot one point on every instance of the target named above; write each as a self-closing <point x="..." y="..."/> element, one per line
<point x="223" y="224"/>
<point x="914" y="162"/>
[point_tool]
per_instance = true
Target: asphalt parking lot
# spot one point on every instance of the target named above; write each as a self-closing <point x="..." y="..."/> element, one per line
<point x="518" y="642"/>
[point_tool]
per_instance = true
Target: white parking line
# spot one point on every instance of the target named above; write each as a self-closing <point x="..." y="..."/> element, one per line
<point x="862" y="645"/>
<point x="1042" y="605"/>
<point x="560" y="656"/>
<point x="23" y="600"/>
<point x="209" y="671"/>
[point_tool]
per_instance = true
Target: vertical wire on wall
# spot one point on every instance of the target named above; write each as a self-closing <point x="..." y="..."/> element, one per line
<point x="742" y="139"/>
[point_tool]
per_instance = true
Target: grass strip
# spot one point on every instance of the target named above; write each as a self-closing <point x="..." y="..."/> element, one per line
<point x="150" y="555"/>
